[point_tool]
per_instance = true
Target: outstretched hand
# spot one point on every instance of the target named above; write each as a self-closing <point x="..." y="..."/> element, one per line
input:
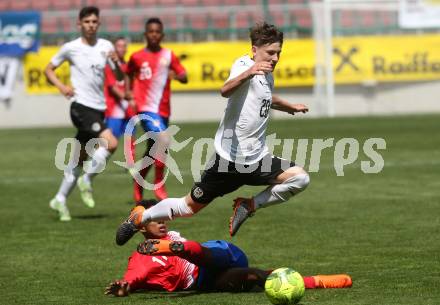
<point x="294" y="108"/>
<point x="118" y="288"/>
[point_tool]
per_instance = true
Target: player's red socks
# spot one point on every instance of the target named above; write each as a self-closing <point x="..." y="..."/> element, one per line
<point x="309" y="282"/>
<point x="160" y="192"/>
<point x="195" y="253"/>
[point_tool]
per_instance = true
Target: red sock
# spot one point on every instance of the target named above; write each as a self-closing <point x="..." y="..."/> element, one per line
<point x="309" y="282"/>
<point x="138" y="190"/>
<point x="195" y="253"/>
<point x="159" y="169"/>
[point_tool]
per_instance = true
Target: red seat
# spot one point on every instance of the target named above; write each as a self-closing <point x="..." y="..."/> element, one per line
<point x="303" y="18"/>
<point x="105" y="4"/>
<point x="278" y="18"/>
<point x="169" y="3"/>
<point x="190" y="2"/>
<point x="126" y="3"/>
<point x="170" y="22"/>
<point x="147" y="3"/>
<point x="347" y="19"/>
<point x="136" y="23"/>
<point x="220" y="20"/>
<point x="20" y="5"/>
<point x="62" y="5"/>
<point x="241" y="20"/>
<point x="4" y="5"/>
<point x="49" y="25"/>
<point x="197" y="21"/>
<point x="209" y="3"/>
<point x="232" y="2"/>
<point x="40" y="5"/>
<point x="368" y="19"/>
<point x="112" y="23"/>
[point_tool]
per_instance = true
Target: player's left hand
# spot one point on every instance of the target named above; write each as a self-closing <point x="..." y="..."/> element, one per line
<point x="172" y="74"/>
<point x="117" y="288"/>
<point x="112" y="55"/>
<point x="298" y="108"/>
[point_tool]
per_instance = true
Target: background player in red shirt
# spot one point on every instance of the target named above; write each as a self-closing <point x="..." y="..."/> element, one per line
<point x="119" y="110"/>
<point x="150" y="71"/>
<point x="177" y="264"/>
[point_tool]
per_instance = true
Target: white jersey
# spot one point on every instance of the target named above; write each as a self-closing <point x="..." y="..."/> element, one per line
<point x="87" y="65"/>
<point x="241" y="135"/>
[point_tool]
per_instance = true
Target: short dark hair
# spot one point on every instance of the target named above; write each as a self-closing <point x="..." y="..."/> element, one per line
<point x="119" y="38"/>
<point x="264" y="33"/>
<point x="87" y="11"/>
<point x="155" y="20"/>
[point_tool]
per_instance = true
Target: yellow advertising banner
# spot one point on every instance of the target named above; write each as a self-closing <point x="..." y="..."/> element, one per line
<point x="355" y="60"/>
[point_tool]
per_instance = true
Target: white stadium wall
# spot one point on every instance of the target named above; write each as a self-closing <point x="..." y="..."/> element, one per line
<point x="385" y="99"/>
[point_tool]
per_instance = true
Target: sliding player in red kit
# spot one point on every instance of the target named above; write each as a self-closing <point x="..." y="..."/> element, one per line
<point x="167" y="261"/>
<point x="150" y="71"/>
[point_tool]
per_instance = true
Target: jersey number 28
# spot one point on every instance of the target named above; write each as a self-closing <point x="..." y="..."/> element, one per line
<point x="265" y="107"/>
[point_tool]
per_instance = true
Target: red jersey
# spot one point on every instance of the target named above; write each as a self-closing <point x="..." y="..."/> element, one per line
<point x="151" y="88"/>
<point x="115" y="107"/>
<point x="169" y="273"/>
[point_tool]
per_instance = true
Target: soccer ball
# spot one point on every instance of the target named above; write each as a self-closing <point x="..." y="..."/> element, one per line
<point x="284" y="286"/>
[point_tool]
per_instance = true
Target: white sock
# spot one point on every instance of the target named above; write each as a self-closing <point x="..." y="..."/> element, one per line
<point x="68" y="183"/>
<point x="98" y="160"/>
<point x="167" y="209"/>
<point x="282" y="192"/>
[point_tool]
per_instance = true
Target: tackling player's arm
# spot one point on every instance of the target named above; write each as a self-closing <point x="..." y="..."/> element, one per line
<point x="283" y="105"/>
<point x="115" y="66"/>
<point x="65" y="90"/>
<point x="259" y="68"/>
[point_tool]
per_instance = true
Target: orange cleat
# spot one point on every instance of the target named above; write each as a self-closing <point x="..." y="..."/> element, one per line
<point x="333" y="281"/>
<point x="160" y="247"/>
<point x="130" y="226"/>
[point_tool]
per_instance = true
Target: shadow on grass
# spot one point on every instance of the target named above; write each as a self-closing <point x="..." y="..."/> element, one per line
<point x="151" y="295"/>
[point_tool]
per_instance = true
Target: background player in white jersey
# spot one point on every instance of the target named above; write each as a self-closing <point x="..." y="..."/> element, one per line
<point x="87" y="56"/>
<point x="242" y="157"/>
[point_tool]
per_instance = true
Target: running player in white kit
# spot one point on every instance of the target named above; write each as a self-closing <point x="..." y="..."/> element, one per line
<point x="87" y="57"/>
<point x="242" y="157"/>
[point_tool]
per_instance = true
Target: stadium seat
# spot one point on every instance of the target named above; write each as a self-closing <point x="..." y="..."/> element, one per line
<point x="105" y="4"/>
<point x="62" y="4"/>
<point x="136" y="23"/>
<point x="368" y="19"/>
<point x="168" y="2"/>
<point x="170" y="22"/>
<point x="20" y="5"/>
<point x="4" y="5"/>
<point x="147" y="3"/>
<point x="346" y="19"/>
<point x="190" y="2"/>
<point x="278" y="18"/>
<point x="39" y="5"/>
<point x="209" y="3"/>
<point x="220" y="20"/>
<point x="302" y="17"/>
<point x="197" y="21"/>
<point x="112" y="23"/>
<point x="126" y="3"/>
<point x="232" y="2"/>
<point x="49" y="25"/>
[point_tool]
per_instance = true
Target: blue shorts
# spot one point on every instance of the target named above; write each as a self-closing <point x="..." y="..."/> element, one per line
<point x="119" y="126"/>
<point x="226" y="256"/>
<point x="153" y="122"/>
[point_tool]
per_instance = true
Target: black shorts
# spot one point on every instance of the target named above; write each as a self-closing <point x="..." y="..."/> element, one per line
<point x="223" y="177"/>
<point x="88" y="121"/>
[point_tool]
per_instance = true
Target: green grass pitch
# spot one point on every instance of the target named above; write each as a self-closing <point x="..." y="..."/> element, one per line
<point x="383" y="229"/>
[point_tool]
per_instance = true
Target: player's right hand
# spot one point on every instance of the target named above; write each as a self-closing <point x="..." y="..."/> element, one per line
<point x="117" y="288"/>
<point x="67" y="91"/>
<point x="261" y="68"/>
